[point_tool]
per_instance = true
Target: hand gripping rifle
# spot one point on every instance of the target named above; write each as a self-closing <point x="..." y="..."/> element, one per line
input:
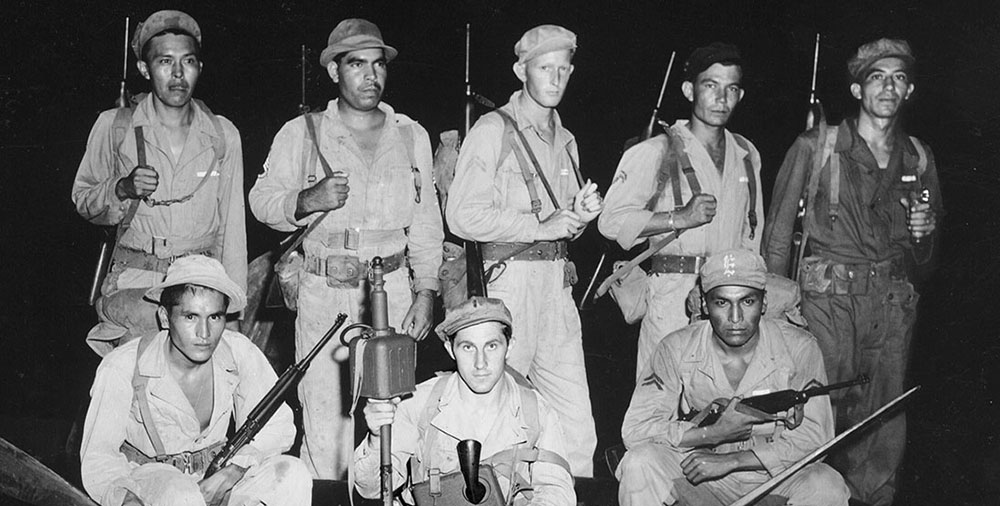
<point x="111" y="236"/>
<point x="767" y="405"/>
<point x="646" y="134"/>
<point x="270" y="403"/>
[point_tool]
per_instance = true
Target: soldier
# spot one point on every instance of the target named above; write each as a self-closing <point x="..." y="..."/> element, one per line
<point x="698" y="178"/>
<point x="162" y="404"/>
<point x="185" y="198"/>
<point x="733" y="354"/>
<point x="365" y="170"/>
<point x="867" y="229"/>
<point x="447" y="409"/>
<point x="496" y="199"/>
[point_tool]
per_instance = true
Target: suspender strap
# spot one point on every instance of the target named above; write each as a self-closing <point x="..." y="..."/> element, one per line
<point x="133" y="206"/>
<point x="407" y="133"/>
<point x="139" y="383"/>
<point x="311" y="129"/>
<point x="834" y="185"/>
<point x="534" y="161"/>
<point x="751" y="184"/>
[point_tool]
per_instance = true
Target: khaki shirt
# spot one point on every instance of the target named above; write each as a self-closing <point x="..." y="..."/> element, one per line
<point x="242" y="377"/>
<point x="381" y="206"/>
<point x="686" y="373"/>
<point x="551" y="484"/>
<point x="212" y="219"/>
<point x="488" y="200"/>
<point x="625" y="214"/>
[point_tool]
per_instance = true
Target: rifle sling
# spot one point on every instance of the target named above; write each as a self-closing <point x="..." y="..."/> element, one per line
<point x="311" y="129"/>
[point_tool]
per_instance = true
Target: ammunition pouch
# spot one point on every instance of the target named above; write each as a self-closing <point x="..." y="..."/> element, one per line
<point x="449" y="489"/>
<point x="520" y="251"/>
<point x="676" y="264"/>
<point x="287" y="271"/>
<point x="136" y="259"/>
<point x="823" y="276"/>
<point x="194" y="462"/>
<point x="344" y="271"/>
<point x="631" y="292"/>
<point x="452" y="275"/>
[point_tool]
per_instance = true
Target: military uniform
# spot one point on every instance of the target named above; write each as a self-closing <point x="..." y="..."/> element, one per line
<point x="210" y="222"/>
<point x="685" y="373"/>
<point x="626" y="214"/>
<point x="391" y="211"/>
<point x="489" y="201"/>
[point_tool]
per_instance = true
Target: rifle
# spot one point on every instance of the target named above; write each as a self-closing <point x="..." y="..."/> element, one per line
<point x="769" y="485"/>
<point x="768" y="404"/>
<point x="646" y="134"/>
<point x="111" y="235"/>
<point x="474" y="272"/>
<point x="270" y="403"/>
<point x="25" y="479"/>
<point x="815" y="116"/>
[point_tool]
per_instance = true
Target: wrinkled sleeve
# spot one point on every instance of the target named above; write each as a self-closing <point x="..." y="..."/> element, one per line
<point x="274" y="195"/>
<point x="256" y="379"/>
<point x="475" y="209"/>
<point x="552" y="484"/>
<point x="103" y="468"/>
<point x="232" y="233"/>
<point x="817" y="423"/>
<point x="625" y="214"/>
<point x="426" y="231"/>
<point x="652" y="414"/>
<point x="404" y="440"/>
<point x="777" y="240"/>
<point x="94" y="186"/>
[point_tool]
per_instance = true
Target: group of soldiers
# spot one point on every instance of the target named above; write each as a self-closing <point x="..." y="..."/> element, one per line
<point x="358" y="177"/>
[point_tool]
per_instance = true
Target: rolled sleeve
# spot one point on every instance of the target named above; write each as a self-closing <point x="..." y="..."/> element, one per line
<point x="625" y="215"/>
<point x="99" y="171"/>
<point x="475" y="209"/>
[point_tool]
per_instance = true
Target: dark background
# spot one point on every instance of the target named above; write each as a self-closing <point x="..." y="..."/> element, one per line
<point x="62" y="64"/>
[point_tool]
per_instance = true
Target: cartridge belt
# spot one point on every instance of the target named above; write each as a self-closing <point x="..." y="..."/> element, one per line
<point x="135" y="259"/>
<point x="543" y="250"/>
<point x="352" y="238"/>
<point x="346" y="269"/>
<point x="676" y="264"/>
<point x="192" y="462"/>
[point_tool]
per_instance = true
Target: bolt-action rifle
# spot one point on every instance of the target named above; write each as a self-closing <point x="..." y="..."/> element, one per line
<point x="815" y="117"/>
<point x="111" y="235"/>
<point x="270" y="403"/>
<point x="475" y="274"/>
<point x="766" y="404"/>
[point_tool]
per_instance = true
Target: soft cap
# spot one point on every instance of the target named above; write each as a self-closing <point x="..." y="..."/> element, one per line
<point x="352" y="34"/>
<point x="543" y="39"/>
<point x="204" y="271"/>
<point x="706" y="56"/>
<point x="160" y="21"/>
<point x="474" y="311"/>
<point x="738" y="267"/>
<point x="874" y="51"/>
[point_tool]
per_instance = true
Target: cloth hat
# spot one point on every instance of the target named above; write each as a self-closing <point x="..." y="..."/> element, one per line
<point x="204" y="271"/>
<point x="543" y="39"/>
<point x="734" y="267"/>
<point x="474" y="311"/>
<point x="160" y="21"/>
<point x="874" y="51"/>
<point x="706" y="56"/>
<point x="352" y="34"/>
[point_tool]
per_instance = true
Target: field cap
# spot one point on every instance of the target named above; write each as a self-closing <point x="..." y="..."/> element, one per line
<point x="706" y="56"/>
<point x="160" y="21"/>
<point x="352" y="34"/>
<point x="543" y="39"/>
<point x="738" y="267"/>
<point x="474" y="311"/>
<point x="203" y="271"/>
<point x="869" y="53"/>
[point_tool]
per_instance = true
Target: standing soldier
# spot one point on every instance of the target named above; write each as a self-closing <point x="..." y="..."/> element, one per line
<point x="698" y="178"/>
<point x="868" y="222"/>
<point x="178" y="192"/>
<point x="366" y="172"/>
<point x="525" y="223"/>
